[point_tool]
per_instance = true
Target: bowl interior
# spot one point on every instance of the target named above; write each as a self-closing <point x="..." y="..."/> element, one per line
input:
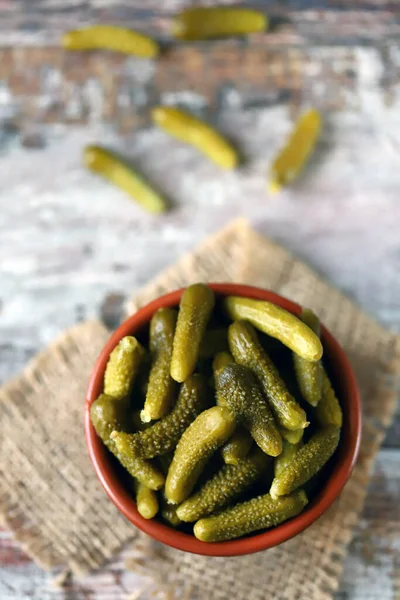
<point x="335" y="474"/>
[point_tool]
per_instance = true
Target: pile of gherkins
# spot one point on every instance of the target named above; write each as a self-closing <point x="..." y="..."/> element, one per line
<point x="222" y="414"/>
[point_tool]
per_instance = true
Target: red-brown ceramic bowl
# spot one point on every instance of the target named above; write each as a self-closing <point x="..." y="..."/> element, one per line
<point x="343" y="462"/>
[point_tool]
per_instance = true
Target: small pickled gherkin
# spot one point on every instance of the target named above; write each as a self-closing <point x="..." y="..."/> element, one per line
<point x="196" y="305"/>
<point x="161" y="388"/>
<point x="328" y="411"/>
<point x="276" y="322"/>
<point x="163" y="436"/>
<point x="197" y="133"/>
<point x="221" y="360"/>
<point x="247" y="351"/>
<point x="122" y="367"/>
<point x="258" y="513"/>
<point x="224" y="487"/>
<point x="237" y="447"/>
<point x="237" y="388"/>
<point x="309" y="373"/>
<point x="109" y="415"/>
<point x="146" y="501"/>
<point x="167" y="511"/>
<point x="203" y="23"/>
<point x="293" y="437"/>
<point x="213" y="342"/>
<point x="294" y="155"/>
<point x="200" y="440"/>
<point x="307" y="462"/>
<point x="289" y="451"/>
<point x="120" y="173"/>
<point x="108" y="37"/>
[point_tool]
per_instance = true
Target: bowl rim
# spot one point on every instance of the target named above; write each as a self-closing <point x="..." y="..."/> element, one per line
<point x="261" y="541"/>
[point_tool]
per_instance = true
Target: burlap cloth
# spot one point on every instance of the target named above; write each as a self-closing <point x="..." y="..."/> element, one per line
<point x="50" y="496"/>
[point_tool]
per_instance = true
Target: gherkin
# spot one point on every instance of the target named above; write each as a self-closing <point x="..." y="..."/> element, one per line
<point x="123" y="367"/>
<point x="238" y="389"/>
<point x="247" y="351"/>
<point x="258" y="513"/>
<point x="309" y="373"/>
<point x="224" y="487"/>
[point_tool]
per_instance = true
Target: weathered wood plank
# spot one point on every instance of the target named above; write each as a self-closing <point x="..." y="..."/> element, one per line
<point x="298" y="21"/>
<point x="43" y="85"/>
<point x="369" y="574"/>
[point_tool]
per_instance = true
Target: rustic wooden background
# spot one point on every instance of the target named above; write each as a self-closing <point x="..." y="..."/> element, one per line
<point x="71" y="247"/>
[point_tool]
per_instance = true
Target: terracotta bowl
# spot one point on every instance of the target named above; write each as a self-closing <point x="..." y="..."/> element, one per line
<point x="342" y="463"/>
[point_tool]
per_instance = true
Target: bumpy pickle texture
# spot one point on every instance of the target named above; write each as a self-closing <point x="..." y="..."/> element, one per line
<point x="238" y="389"/>
<point x="201" y="439"/>
<point x="307" y="462"/>
<point x="328" y="411"/>
<point x="109" y="415"/>
<point x="146" y="501"/>
<point x="288" y="453"/>
<point x="276" y="322"/>
<point x="237" y="447"/>
<point x="161" y="387"/>
<point x="122" y="367"/>
<point x="162" y="437"/>
<point x="195" y="308"/>
<point x="224" y="487"/>
<point x="247" y="351"/>
<point x="255" y="514"/>
<point x="309" y="373"/>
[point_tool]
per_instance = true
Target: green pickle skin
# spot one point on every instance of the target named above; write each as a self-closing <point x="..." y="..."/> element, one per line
<point x="122" y="367"/>
<point x="200" y="440"/>
<point x="224" y="487"/>
<point x="247" y="351"/>
<point x="309" y="373"/>
<point x="307" y="462"/>
<point x="238" y="389"/>
<point x="161" y="387"/>
<point x="258" y="513"/>
<point x="237" y="447"/>
<point x="276" y="322"/>
<point x="163" y="436"/>
<point x="146" y="501"/>
<point x="328" y="411"/>
<point x="109" y="415"/>
<point x="293" y="437"/>
<point x="195" y="308"/>
<point x="288" y="453"/>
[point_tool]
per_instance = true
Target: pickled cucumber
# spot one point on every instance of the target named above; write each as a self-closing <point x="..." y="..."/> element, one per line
<point x="292" y="158"/>
<point x="109" y="37"/>
<point x="200" y="440"/>
<point x="163" y="436"/>
<point x="167" y="511"/>
<point x="161" y="387"/>
<point x="237" y="447"/>
<point x="247" y="351"/>
<point x="202" y="23"/>
<point x="193" y="131"/>
<point x="276" y="322"/>
<point x="146" y="501"/>
<point x="308" y="461"/>
<point x="195" y="308"/>
<point x="224" y="487"/>
<point x="309" y="373"/>
<point x="213" y="342"/>
<point x="221" y="360"/>
<point x="293" y="437"/>
<point x="328" y="411"/>
<point x="122" y="367"/>
<point x="238" y="389"/>
<point x="109" y="415"/>
<point x="255" y="514"/>
<point x="289" y="451"/>
<point x="117" y="171"/>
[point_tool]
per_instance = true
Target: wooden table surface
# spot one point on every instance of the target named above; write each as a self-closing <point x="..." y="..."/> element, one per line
<point x="72" y="248"/>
